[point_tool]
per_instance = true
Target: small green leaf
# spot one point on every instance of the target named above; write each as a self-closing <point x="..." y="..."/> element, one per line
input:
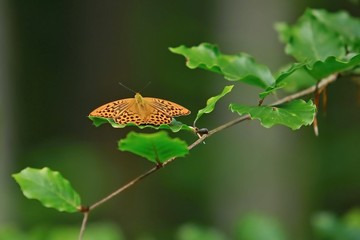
<point x="270" y="90"/>
<point x="210" y="103"/>
<point x="293" y="114"/>
<point x="329" y="226"/>
<point x="300" y="79"/>
<point x="259" y="227"/>
<point x="49" y="187"/>
<point x="193" y="232"/>
<point x="94" y="231"/>
<point x="326" y="225"/>
<point x="174" y="126"/>
<point x="156" y="147"/>
<point x="239" y="67"/>
<point x="288" y="71"/>
<point x="352" y="219"/>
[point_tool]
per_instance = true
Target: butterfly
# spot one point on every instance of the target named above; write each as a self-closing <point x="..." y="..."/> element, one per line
<point x="140" y="110"/>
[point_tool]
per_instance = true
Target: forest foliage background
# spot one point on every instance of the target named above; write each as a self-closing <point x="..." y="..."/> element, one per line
<point x="62" y="59"/>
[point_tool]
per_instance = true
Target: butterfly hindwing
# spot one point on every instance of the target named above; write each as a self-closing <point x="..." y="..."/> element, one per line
<point x="158" y="117"/>
<point x="128" y="116"/>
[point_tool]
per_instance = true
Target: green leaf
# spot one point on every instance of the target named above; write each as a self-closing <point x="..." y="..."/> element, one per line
<point x="40" y="231"/>
<point x="10" y="231"/>
<point x="351" y="221"/>
<point x="174" y="126"/>
<point x="320" y="40"/>
<point x="300" y="79"/>
<point x="332" y="65"/>
<point x="210" y="103"/>
<point x="50" y="188"/>
<point x="328" y="226"/>
<point x="94" y="231"/>
<point x="259" y="227"/>
<point x="288" y="71"/>
<point x="298" y="76"/>
<point x="155" y="147"/>
<point x="342" y="23"/>
<point x="194" y="232"/>
<point x="309" y="40"/>
<point x="239" y="67"/>
<point x="293" y="114"/>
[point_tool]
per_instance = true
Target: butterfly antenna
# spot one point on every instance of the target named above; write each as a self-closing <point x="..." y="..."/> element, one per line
<point x="126" y="87"/>
<point x="146" y="86"/>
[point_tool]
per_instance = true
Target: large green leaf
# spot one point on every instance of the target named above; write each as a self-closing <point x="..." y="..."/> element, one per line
<point x="309" y="40"/>
<point x="210" y="103"/>
<point x="293" y="114"/>
<point x="49" y="187"/>
<point x="174" y="126"/>
<point x="239" y="67"/>
<point x="321" y="69"/>
<point x="324" y="43"/>
<point x="342" y="23"/>
<point x="156" y="147"/>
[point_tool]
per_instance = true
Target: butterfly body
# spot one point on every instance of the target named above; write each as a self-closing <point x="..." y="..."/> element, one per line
<point x="141" y="110"/>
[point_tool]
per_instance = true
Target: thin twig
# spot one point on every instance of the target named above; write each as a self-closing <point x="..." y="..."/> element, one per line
<point x="126" y="186"/>
<point x="83" y="225"/>
<point x="323" y="83"/>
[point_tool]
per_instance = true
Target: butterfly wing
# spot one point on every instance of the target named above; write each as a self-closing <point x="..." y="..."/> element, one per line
<point x="121" y="111"/>
<point x="161" y="111"/>
<point x="157" y="117"/>
<point x="129" y="116"/>
<point x="140" y="110"/>
<point x="168" y="108"/>
<point x="112" y="109"/>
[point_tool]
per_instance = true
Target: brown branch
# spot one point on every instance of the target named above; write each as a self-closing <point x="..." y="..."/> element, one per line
<point x="322" y="84"/>
<point x="123" y="188"/>
<point x="83" y="225"/>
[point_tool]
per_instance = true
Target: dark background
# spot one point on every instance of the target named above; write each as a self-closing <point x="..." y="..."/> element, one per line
<point x="59" y="60"/>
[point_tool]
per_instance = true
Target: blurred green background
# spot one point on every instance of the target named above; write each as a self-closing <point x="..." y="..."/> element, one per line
<point x="61" y="59"/>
